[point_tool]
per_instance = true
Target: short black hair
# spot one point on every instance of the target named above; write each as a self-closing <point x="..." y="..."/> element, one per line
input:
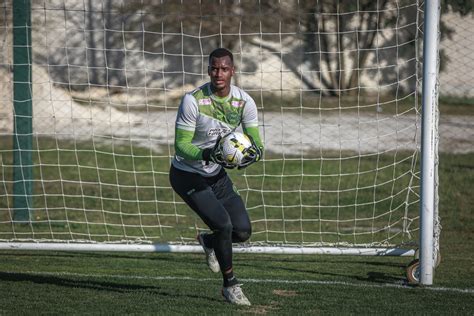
<point x="221" y="52"/>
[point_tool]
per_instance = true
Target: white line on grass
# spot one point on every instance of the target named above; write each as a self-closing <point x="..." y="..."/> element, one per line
<point x="278" y="281"/>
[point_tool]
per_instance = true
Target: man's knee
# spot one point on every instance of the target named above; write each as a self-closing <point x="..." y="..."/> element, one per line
<point x="241" y="236"/>
<point x="224" y="229"/>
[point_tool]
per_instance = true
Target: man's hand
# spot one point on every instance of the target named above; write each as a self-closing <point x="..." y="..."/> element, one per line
<point x="214" y="155"/>
<point x="252" y="155"/>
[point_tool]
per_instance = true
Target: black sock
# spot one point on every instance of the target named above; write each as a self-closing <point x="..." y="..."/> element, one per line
<point x="207" y="238"/>
<point x="229" y="278"/>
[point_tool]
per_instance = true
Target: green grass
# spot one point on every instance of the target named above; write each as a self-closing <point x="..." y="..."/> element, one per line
<point x="128" y="283"/>
<point x="149" y="283"/>
<point x="320" y="199"/>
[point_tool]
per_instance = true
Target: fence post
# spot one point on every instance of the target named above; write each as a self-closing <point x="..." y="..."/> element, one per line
<point x="23" y="111"/>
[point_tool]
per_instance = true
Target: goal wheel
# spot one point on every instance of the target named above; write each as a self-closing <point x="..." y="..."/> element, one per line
<point x="438" y="257"/>
<point x="413" y="272"/>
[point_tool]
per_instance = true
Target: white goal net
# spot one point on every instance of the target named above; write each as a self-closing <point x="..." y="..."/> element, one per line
<point x="337" y="85"/>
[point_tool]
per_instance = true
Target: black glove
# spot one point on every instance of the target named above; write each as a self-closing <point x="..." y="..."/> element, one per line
<point x="214" y="155"/>
<point x="251" y="155"/>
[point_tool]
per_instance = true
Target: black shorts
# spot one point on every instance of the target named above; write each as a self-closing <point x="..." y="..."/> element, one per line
<point x="186" y="183"/>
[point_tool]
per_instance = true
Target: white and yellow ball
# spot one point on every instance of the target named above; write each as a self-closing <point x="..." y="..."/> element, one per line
<point x="233" y="147"/>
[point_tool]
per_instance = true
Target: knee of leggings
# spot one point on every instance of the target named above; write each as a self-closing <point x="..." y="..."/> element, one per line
<point x="241" y="236"/>
<point x="224" y="230"/>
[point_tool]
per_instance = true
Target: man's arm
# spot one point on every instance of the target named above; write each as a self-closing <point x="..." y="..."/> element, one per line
<point x="185" y="129"/>
<point x="255" y="134"/>
<point x="250" y="121"/>
<point x="250" y="128"/>
<point x="184" y="147"/>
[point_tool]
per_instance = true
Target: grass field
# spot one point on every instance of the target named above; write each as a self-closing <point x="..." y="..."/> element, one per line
<point x="110" y="192"/>
<point x="147" y="283"/>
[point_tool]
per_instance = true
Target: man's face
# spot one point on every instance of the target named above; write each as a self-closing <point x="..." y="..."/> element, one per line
<point x="221" y="71"/>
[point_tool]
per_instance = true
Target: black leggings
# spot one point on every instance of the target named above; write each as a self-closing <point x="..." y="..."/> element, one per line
<point x="217" y="203"/>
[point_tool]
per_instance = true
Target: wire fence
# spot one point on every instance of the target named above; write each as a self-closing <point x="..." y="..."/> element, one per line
<point x="457" y="51"/>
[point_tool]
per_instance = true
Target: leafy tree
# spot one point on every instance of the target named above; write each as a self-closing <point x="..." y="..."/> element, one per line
<point x="337" y="42"/>
<point x="463" y="8"/>
<point x="339" y="38"/>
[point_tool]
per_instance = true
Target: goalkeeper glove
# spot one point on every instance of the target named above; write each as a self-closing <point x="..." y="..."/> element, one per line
<point x="252" y="155"/>
<point x="213" y="154"/>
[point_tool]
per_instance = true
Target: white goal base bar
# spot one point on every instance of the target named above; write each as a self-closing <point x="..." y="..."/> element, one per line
<point x="197" y="249"/>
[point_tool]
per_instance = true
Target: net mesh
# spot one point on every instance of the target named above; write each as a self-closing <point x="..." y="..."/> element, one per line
<point x="336" y="84"/>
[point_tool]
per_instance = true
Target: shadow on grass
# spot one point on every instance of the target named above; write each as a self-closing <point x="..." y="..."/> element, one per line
<point x="95" y="285"/>
<point x="379" y="277"/>
<point x="328" y="268"/>
<point x="313" y="267"/>
<point x="103" y="255"/>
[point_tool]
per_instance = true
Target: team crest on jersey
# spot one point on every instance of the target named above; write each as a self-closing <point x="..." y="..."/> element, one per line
<point x="204" y="101"/>
<point x="217" y="131"/>
<point x="233" y="118"/>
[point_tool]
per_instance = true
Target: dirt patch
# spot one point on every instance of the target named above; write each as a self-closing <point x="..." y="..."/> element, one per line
<point x="285" y="293"/>
<point x="263" y="309"/>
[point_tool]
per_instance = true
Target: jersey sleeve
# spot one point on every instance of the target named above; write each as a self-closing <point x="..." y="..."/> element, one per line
<point x="187" y="113"/>
<point x="185" y="127"/>
<point x="250" y="121"/>
<point x="249" y="115"/>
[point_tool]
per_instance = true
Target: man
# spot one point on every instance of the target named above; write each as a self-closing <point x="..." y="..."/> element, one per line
<point x="197" y="172"/>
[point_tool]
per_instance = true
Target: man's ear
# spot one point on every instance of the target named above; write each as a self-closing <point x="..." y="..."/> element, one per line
<point x="209" y="70"/>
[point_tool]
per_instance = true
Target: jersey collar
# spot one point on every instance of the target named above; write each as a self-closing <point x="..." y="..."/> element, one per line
<point x="217" y="98"/>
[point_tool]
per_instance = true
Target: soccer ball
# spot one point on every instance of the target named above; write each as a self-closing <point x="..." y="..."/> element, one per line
<point x="233" y="147"/>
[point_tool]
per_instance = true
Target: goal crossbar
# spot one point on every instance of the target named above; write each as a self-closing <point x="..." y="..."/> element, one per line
<point x="285" y="250"/>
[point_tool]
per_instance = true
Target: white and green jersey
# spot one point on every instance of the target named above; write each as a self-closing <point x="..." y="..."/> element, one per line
<point x="202" y="117"/>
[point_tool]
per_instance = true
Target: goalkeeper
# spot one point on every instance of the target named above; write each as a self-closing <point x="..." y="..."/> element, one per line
<point x="197" y="172"/>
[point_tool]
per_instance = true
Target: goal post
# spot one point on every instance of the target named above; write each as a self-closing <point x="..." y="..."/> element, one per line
<point x="347" y="100"/>
<point x="429" y="148"/>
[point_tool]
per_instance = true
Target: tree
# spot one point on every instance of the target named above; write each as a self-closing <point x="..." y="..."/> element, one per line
<point x="338" y="37"/>
<point x="330" y="45"/>
<point x="463" y="7"/>
<point x="344" y="40"/>
<point x="187" y="31"/>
